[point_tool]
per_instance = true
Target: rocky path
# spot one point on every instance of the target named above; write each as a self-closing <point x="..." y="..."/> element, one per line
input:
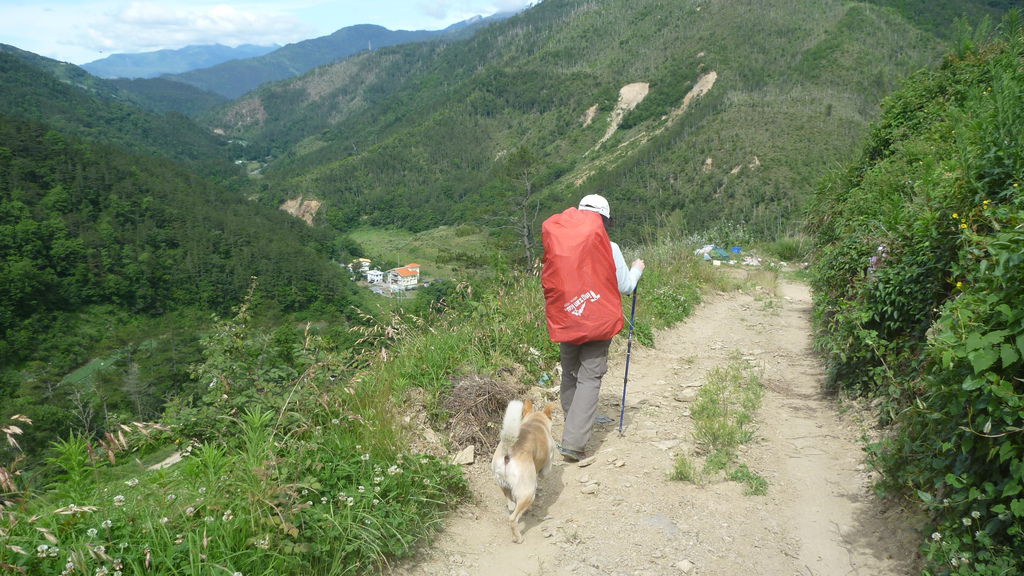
<point x="622" y="515"/>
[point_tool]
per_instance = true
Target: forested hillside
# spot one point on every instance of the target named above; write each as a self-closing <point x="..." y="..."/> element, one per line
<point x="92" y="236"/>
<point x="919" y="286"/>
<point x="420" y="135"/>
<point x="121" y="233"/>
<point x="80" y="105"/>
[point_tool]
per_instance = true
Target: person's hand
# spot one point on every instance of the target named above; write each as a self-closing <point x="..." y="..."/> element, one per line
<point x="638" y="263"/>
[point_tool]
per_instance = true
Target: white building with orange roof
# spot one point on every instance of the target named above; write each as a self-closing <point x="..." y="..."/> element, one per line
<point x="404" y="278"/>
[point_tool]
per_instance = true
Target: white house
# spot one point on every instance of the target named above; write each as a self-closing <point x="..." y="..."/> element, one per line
<point x="404" y="278"/>
<point x="375" y="276"/>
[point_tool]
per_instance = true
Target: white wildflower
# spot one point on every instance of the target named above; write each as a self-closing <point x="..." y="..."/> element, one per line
<point x="936" y="536"/>
<point x="132" y="483"/>
<point x="91" y="532"/>
<point x="106" y="524"/>
<point x="118" y="500"/>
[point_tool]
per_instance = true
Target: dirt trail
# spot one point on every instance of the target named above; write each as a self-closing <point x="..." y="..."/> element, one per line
<point x="622" y="515"/>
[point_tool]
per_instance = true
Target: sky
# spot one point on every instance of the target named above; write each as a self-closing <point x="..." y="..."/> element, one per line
<point x="81" y="31"/>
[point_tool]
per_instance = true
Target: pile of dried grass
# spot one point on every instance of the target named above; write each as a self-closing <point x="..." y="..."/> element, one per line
<point x="476" y="407"/>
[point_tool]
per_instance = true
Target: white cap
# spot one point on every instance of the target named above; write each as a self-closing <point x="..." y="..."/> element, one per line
<point x="596" y="203"/>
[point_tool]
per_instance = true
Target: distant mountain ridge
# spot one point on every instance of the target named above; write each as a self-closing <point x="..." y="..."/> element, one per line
<point x="235" y="78"/>
<point x="160" y="62"/>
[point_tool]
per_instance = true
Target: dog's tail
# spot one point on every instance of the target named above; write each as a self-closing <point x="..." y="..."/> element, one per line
<point x="510" y="425"/>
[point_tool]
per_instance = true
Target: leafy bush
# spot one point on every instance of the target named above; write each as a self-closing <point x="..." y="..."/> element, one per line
<point x="918" y="290"/>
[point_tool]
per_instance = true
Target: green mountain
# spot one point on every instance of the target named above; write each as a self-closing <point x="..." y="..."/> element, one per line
<point x="685" y="114"/>
<point x="152" y="64"/>
<point x="72" y="101"/>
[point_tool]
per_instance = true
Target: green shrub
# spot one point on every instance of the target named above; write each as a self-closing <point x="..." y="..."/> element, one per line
<point x="918" y="289"/>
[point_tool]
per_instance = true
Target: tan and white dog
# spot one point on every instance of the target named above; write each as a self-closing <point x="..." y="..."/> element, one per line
<point x="524" y="454"/>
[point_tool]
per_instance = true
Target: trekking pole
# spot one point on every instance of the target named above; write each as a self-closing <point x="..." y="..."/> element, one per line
<point x="629" y="350"/>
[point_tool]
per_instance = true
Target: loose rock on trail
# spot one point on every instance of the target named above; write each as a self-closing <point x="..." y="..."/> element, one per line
<point x="623" y="515"/>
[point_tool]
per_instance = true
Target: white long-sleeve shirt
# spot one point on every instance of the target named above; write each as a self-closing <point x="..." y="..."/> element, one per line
<point x="626" y="276"/>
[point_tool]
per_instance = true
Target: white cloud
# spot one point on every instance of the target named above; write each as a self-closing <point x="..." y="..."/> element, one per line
<point x="446" y="9"/>
<point x="145" y="26"/>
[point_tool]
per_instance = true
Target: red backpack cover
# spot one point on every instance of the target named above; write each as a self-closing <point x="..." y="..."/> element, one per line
<point x="581" y="291"/>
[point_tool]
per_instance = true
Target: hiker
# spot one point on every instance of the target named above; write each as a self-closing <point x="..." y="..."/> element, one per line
<point x="584" y="273"/>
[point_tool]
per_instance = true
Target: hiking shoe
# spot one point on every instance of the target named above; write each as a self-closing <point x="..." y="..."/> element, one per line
<point x="571" y="455"/>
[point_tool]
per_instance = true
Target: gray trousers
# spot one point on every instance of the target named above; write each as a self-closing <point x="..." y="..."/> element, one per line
<point x="583" y="366"/>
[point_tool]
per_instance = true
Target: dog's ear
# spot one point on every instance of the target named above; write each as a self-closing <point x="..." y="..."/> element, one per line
<point x="527" y="407"/>
<point x="549" y="409"/>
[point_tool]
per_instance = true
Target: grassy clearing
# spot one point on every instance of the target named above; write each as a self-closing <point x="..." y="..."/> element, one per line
<point x="446" y="252"/>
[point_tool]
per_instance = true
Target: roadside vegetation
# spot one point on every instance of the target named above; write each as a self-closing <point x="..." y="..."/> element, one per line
<point x="918" y="285"/>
